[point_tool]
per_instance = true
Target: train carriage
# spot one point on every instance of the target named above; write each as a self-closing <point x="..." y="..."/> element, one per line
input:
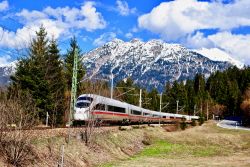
<point x="111" y="110"/>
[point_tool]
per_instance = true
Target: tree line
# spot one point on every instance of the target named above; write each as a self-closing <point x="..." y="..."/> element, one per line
<point x="224" y="94"/>
<point x="45" y="74"/>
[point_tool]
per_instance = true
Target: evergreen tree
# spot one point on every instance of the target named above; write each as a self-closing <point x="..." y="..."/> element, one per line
<point x="69" y="63"/>
<point x="31" y="71"/>
<point x="155" y="101"/>
<point x="132" y="96"/>
<point x="40" y="74"/>
<point x="55" y="78"/>
<point x="191" y="97"/>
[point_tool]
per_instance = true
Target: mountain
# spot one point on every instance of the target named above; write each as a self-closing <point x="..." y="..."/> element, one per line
<point x="150" y="64"/>
<point x="5" y="72"/>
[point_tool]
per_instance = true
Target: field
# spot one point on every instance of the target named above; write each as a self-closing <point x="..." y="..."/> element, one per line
<point x="205" y="145"/>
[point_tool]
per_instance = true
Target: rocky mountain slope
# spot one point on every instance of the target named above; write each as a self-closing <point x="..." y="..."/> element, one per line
<point x="5" y="72"/>
<point x="150" y="64"/>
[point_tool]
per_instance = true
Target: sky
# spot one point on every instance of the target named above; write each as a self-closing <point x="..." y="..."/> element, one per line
<point x="195" y="24"/>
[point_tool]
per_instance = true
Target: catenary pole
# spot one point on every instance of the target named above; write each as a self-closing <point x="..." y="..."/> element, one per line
<point x="160" y="108"/>
<point x="140" y="100"/>
<point x="73" y="88"/>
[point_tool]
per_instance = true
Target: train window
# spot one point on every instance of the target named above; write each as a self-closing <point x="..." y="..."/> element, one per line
<point x="82" y="105"/>
<point x="85" y="98"/>
<point x="135" y="112"/>
<point x="100" y="106"/>
<point x="116" y="109"/>
<point x="146" y="114"/>
<point x="164" y="117"/>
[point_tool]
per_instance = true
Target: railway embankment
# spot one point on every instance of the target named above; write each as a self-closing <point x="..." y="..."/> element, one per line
<point x="206" y="145"/>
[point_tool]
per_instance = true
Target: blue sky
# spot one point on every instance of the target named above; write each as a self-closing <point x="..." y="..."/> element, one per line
<point x="222" y="24"/>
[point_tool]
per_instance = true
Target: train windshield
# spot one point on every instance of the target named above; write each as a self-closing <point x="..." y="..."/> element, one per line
<point x="85" y="98"/>
<point x="82" y="105"/>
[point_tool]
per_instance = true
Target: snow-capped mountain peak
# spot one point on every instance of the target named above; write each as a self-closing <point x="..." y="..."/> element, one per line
<point x="150" y="64"/>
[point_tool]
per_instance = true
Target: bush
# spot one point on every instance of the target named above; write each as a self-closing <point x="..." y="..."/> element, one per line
<point x="201" y="120"/>
<point x="193" y="123"/>
<point x="183" y="125"/>
<point x="17" y="114"/>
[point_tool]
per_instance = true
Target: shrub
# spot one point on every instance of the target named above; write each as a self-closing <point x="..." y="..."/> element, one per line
<point x="183" y="125"/>
<point x="193" y="123"/>
<point x="201" y="120"/>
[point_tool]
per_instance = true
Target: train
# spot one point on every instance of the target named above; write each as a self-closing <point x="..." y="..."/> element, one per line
<point x="89" y="106"/>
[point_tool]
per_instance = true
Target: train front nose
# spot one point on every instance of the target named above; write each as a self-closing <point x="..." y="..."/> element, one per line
<point x="81" y="111"/>
<point x="81" y="114"/>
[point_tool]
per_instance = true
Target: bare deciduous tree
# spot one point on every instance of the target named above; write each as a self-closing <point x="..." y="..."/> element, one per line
<point x="17" y="116"/>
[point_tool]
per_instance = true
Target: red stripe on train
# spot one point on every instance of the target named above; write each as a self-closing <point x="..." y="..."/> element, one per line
<point x="97" y="112"/>
<point x="108" y="113"/>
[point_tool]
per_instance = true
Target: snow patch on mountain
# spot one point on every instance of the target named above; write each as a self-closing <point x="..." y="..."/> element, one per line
<point x="219" y="55"/>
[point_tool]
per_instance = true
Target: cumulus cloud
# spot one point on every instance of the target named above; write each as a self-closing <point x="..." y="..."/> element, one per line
<point x="198" y="40"/>
<point x="59" y="21"/>
<point x="235" y="45"/>
<point x="175" y="19"/>
<point x="4" y="5"/>
<point x="104" y="38"/>
<point x="123" y="8"/>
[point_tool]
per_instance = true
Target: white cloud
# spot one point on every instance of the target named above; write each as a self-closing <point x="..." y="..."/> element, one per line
<point x="19" y="39"/>
<point x="84" y="18"/>
<point x="4" y="60"/>
<point x="219" y="55"/>
<point x="236" y="45"/>
<point x="58" y="22"/>
<point x="175" y="19"/>
<point x="4" y="5"/>
<point x="198" y="40"/>
<point x="123" y="8"/>
<point x="129" y="35"/>
<point x="104" y="38"/>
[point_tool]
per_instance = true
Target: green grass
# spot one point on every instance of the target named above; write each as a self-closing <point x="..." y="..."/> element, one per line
<point x="158" y="148"/>
<point x="165" y="149"/>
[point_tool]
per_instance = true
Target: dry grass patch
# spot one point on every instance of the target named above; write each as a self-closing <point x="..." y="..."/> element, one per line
<point x="205" y="145"/>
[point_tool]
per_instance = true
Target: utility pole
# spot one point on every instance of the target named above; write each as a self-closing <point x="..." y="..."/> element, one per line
<point x="194" y="109"/>
<point x="73" y="89"/>
<point x="177" y="106"/>
<point x="160" y="108"/>
<point x="112" y="85"/>
<point x="140" y="100"/>
<point x="47" y="119"/>
<point x="62" y="156"/>
<point x="207" y="111"/>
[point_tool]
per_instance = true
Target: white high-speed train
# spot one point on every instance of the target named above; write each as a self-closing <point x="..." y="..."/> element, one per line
<point x="111" y="110"/>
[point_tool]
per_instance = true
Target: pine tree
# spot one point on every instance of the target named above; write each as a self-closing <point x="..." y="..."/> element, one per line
<point x="31" y="71"/>
<point x="132" y="96"/>
<point x="69" y="62"/>
<point x="155" y="101"/>
<point x="41" y="75"/>
<point x="191" y="100"/>
<point x="54" y="76"/>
